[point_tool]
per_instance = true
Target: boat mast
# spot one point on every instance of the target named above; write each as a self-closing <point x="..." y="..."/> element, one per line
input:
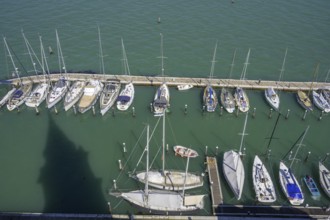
<point x="60" y="55"/>
<point x="125" y="61"/>
<point x="243" y="134"/>
<point x="271" y="136"/>
<point x="213" y="60"/>
<point x="43" y="60"/>
<point x="12" y="60"/>
<point x="185" y="177"/>
<point x="163" y="165"/>
<point x="100" y="51"/>
<point x="245" y="65"/>
<point x="146" y="189"/>
<point x="283" y="64"/>
<point x="162" y="56"/>
<point x="232" y="64"/>
<point x="299" y="145"/>
<point x="314" y="78"/>
<point x="31" y="52"/>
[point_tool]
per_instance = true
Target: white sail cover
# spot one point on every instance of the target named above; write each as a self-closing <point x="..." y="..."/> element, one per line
<point x="233" y="170"/>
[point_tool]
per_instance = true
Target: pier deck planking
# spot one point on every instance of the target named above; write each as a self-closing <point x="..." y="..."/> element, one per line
<point x="216" y="193"/>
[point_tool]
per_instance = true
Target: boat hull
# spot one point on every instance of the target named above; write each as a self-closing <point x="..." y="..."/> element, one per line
<point x="161" y="100"/>
<point x="5" y="99"/>
<point x="37" y="96"/>
<point x="184" y="151"/>
<point x="324" y="178"/>
<point x="15" y="101"/>
<point x="242" y="100"/>
<point x="90" y="96"/>
<point x="108" y="96"/>
<point x="234" y="173"/>
<point x="126" y="97"/>
<point x="320" y="102"/>
<point x="227" y="100"/>
<point x="172" y="180"/>
<point x="74" y="94"/>
<point x="304" y="100"/>
<point x="311" y="185"/>
<point x="184" y="87"/>
<point x="210" y="99"/>
<point x="58" y="92"/>
<point x="272" y="98"/>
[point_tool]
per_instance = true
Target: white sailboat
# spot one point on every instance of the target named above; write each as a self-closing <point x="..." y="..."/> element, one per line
<point x="126" y="96"/>
<point x="324" y="178"/>
<point x="289" y="183"/>
<point x="162" y="95"/>
<point x="262" y="182"/>
<point x="111" y="89"/>
<point x="39" y="93"/>
<point x="62" y="85"/>
<point x="74" y="94"/>
<point x="161" y="201"/>
<point x="270" y="93"/>
<point x="320" y="101"/>
<point x="22" y="91"/>
<point x="210" y="99"/>
<point x="169" y="179"/>
<point x="5" y="99"/>
<point x="233" y="168"/>
<point x="91" y="93"/>
<point x="241" y="98"/>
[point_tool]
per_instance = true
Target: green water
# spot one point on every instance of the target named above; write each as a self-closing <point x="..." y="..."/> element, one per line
<point x="67" y="162"/>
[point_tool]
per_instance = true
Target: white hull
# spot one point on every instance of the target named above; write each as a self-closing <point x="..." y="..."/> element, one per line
<point x="262" y="182"/>
<point x="164" y="202"/>
<point x="324" y="178"/>
<point x="210" y="99"/>
<point x="109" y="96"/>
<point x="227" y="100"/>
<point x="19" y="96"/>
<point x="242" y="100"/>
<point x="38" y="95"/>
<point x="234" y="173"/>
<point x="161" y="100"/>
<point x="272" y="98"/>
<point x="172" y="180"/>
<point x="184" y="87"/>
<point x="290" y="185"/>
<point x="89" y="98"/>
<point x="7" y="97"/>
<point x="58" y="92"/>
<point x="184" y="151"/>
<point x="321" y="102"/>
<point x="74" y="94"/>
<point x="126" y="97"/>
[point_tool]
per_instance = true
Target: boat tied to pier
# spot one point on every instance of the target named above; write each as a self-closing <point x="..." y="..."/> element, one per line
<point x="74" y="94"/>
<point x="272" y="98"/>
<point x="312" y="187"/>
<point x="109" y="95"/>
<point x="320" y="101"/>
<point x="91" y="93"/>
<point x="262" y="182"/>
<point x="324" y="178"/>
<point x="227" y="100"/>
<point x="304" y="100"/>
<point x="183" y="87"/>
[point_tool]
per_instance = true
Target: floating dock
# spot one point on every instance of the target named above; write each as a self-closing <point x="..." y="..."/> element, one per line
<point x="175" y="81"/>
<point x="215" y="186"/>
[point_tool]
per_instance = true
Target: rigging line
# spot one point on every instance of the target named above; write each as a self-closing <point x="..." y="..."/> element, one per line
<point x="19" y="61"/>
<point x="172" y="131"/>
<point x="271" y="136"/>
<point x="293" y="145"/>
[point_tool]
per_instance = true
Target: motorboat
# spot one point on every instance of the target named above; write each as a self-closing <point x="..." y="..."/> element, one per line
<point x="185" y="151"/>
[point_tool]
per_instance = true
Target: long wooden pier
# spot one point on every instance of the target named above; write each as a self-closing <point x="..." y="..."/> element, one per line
<point x="175" y="81"/>
<point x="215" y="187"/>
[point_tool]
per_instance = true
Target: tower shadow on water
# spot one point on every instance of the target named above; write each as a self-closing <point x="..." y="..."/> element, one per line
<point x="68" y="182"/>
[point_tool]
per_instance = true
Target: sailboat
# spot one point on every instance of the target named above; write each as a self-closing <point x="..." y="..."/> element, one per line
<point x="162" y="201"/>
<point x="320" y="101"/>
<point x="270" y="93"/>
<point x="324" y="178"/>
<point x="39" y="93"/>
<point x="210" y="99"/>
<point x="61" y="86"/>
<point x="110" y="90"/>
<point x="22" y="90"/>
<point x="262" y="182"/>
<point x="303" y="98"/>
<point x="74" y="94"/>
<point x="289" y="183"/>
<point x="233" y="168"/>
<point x="169" y="179"/>
<point x="91" y="93"/>
<point x="5" y="99"/>
<point x="226" y="98"/>
<point x="126" y="96"/>
<point x="162" y="95"/>
<point x="240" y="95"/>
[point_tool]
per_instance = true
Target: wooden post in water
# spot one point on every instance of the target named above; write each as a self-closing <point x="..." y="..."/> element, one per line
<point x="307" y="156"/>
<point x="124" y="147"/>
<point x="114" y="184"/>
<point x="216" y="150"/>
<point x="254" y="112"/>
<point x="37" y="110"/>
<point x="304" y="115"/>
<point x="133" y="111"/>
<point x="93" y="109"/>
<point x="120" y="165"/>
<point x="185" y="109"/>
<point x="287" y="114"/>
<point x="221" y="110"/>
<point x="55" y="109"/>
<point x="321" y="115"/>
<point x="270" y="113"/>
<point x="74" y="109"/>
<point x="151" y="107"/>
<point x="205" y="150"/>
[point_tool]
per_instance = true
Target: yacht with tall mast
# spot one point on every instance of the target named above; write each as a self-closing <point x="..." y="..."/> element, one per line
<point x="126" y="96"/>
<point x="242" y="100"/>
<point x="162" y="201"/>
<point x="169" y="179"/>
<point x="289" y="183"/>
<point x="233" y="168"/>
<point x="162" y="95"/>
<point x="22" y="91"/>
<point x="61" y="86"/>
<point x="324" y="178"/>
<point x="271" y="94"/>
<point x="111" y="89"/>
<point x="39" y="93"/>
<point x="210" y="100"/>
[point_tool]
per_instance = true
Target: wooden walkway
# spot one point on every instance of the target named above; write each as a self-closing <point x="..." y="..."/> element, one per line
<point x="216" y="193"/>
<point x="174" y="81"/>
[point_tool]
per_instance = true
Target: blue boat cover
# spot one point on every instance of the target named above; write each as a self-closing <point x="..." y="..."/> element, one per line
<point x="5" y="82"/>
<point x="294" y="191"/>
<point x="123" y="98"/>
<point x="18" y="93"/>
